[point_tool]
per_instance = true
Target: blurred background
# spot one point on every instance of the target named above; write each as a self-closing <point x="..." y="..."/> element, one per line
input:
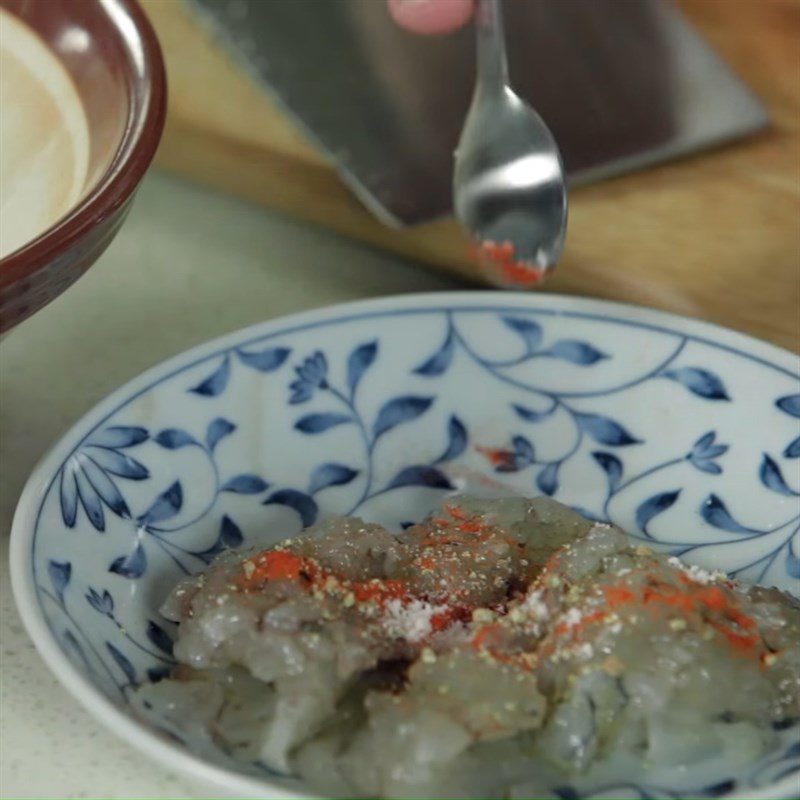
<point x="293" y="105"/>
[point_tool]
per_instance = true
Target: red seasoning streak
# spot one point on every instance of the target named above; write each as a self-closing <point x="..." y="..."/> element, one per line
<point x="471" y="526"/>
<point x="273" y="565"/>
<point x="444" y="619"/>
<point x="477" y="528"/>
<point x="488" y="641"/>
<point x="711" y="603"/>
<point x="715" y="607"/>
<point x="277" y="565"/>
<point x="617" y="596"/>
<point x="497" y="457"/>
<point x="719" y="609"/>
<point x="499" y="258"/>
<point x="379" y="591"/>
<point x="483" y="636"/>
<point x="455" y="512"/>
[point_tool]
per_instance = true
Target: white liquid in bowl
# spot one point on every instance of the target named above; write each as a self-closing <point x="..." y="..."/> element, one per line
<point x="44" y="137"/>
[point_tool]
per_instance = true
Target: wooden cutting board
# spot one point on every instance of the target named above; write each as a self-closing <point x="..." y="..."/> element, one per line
<point x="715" y="236"/>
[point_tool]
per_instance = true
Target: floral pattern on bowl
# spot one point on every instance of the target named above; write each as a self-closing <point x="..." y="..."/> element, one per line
<point x="683" y="434"/>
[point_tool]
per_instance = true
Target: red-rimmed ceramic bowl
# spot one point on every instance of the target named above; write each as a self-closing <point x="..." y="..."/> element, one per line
<point x="110" y="53"/>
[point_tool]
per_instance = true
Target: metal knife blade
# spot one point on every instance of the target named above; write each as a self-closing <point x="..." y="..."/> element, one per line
<point x="621" y="84"/>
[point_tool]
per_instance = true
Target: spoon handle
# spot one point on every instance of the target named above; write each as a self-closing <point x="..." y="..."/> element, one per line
<point x="491" y="41"/>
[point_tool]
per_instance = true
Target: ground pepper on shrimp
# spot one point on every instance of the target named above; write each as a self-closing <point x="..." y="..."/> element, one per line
<point x="458" y="657"/>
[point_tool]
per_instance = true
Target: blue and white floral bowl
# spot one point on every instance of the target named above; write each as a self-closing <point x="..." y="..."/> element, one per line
<point x="684" y="434"/>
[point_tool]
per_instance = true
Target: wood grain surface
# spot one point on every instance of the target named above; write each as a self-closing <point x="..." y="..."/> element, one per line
<point x="714" y="236"/>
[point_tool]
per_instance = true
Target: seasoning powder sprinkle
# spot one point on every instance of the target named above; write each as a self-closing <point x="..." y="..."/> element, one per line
<point x="412" y="620"/>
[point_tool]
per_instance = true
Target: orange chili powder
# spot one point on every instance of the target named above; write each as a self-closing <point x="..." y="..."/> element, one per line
<point x="693" y="598"/>
<point x="496" y="456"/>
<point x="273" y="565"/>
<point x="426" y="562"/>
<point x="500" y="257"/>
<point x="380" y="591"/>
<point x="482" y="634"/>
<point x="713" y="598"/>
<point x="471" y="526"/>
<point x="453" y="614"/>
<point x="455" y="512"/>
<point x="617" y="595"/>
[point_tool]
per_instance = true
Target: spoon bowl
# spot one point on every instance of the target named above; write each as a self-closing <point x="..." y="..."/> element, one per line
<point x="509" y="188"/>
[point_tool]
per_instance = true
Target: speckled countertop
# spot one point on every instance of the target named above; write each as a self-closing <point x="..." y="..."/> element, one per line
<point x="187" y="266"/>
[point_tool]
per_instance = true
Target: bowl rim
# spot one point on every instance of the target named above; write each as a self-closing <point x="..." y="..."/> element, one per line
<point x="122" y="723"/>
<point x="143" y="128"/>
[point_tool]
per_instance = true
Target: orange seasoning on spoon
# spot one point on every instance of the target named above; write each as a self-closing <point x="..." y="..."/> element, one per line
<point x="499" y="260"/>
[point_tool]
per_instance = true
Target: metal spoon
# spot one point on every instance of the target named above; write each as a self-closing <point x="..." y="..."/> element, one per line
<point x="508" y="186"/>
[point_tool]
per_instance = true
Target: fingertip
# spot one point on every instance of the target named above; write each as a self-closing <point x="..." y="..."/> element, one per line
<point x="430" y="17"/>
